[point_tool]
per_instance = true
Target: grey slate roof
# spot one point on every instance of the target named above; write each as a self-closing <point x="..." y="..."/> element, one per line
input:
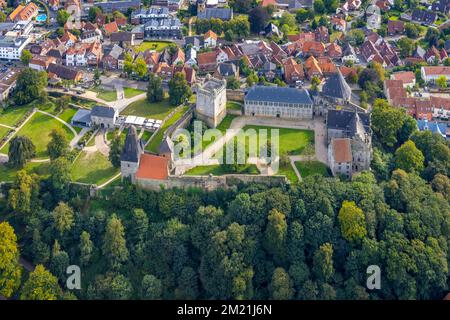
<point x="132" y="148"/>
<point x="218" y="13"/>
<point x="103" y="112"/>
<point x="227" y="69"/>
<point x="82" y="116"/>
<point x="337" y="87"/>
<point x="166" y="146"/>
<point x="279" y="94"/>
<point x="347" y="121"/>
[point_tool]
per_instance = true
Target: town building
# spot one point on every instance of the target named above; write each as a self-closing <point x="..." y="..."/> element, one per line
<point x="432" y="73"/>
<point x="104" y="117"/>
<point x="8" y="82"/>
<point x="168" y="28"/>
<point x="11" y="47"/>
<point x="211" y="101"/>
<point x="122" y="6"/>
<point x="280" y="102"/>
<point x="144" y="15"/>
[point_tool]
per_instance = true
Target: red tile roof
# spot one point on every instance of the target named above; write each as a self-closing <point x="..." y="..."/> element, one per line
<point x="153" y="167"/>
<point x="341" y="150"/>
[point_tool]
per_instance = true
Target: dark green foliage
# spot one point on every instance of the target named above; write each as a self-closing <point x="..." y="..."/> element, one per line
<point x="21" y="149"/>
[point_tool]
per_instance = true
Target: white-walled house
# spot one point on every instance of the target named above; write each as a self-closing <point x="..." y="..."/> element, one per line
<point x="431" y="74"/>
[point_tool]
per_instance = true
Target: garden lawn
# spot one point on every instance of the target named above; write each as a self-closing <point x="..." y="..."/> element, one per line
<point x="93" y="168"/>
<point x="132" y="92"/>
<point x="289" y="172"/>
<point x="107" y="95"/>
<point x="219" y="170"/>
<point x="67" y="114"/>
<point x="146" y="109"/>
<point x="153" y="146"/>
<point x="38" y="129"/>
<point x="292" y="141"/>
<point x="152" y="45"/>
<point x="232" y="105"/>
<point x="308" y="168"/>
<point x="8" y="174"/>
<point x="3" y="132"/>
<point x="12" y="115"/>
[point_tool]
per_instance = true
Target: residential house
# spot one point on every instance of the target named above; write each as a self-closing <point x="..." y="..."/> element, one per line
<point x="395" y="27"/>
<point x="334" y="51"/>
<point x="312" y="68"/>
<point x="408" y="78"/>
<point x="338" y="24"/>
<point x="122" y="6"/>
<point x="224" y="14"/>
<point x="432" y="73"/>
<point x="210" y="39"/>
<point x="322" y="35"/>
<point x="349" y="54"/>
<point x="423" y="16"/>
<point x="112" y="58"/>
<point x="64" y="72"/>
<point x="271" y="30"/>
<point x="313" y="48"/>
<point x="293" y="71"/>
<point x="8" y="82"/>
<point x="41" y="63"/>
<point x="122" y="38"/>
<point x="110" y="28"/>
<point x="168" y="28"/>
<point x="226" y="70"/>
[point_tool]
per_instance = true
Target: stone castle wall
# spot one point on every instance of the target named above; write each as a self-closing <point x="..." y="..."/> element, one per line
<point x="209" y="182"/>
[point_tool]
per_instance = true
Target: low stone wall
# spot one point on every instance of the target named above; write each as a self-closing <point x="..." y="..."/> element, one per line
<point x="209" y="182"/>
<point x="236" y="95"/>
<point x="234" y="112"/>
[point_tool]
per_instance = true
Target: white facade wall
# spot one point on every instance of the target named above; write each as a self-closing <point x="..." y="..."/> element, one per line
<point x="278" y="109"/>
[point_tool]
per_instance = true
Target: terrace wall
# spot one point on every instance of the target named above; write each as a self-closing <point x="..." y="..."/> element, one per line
<point x="209" y="182"/>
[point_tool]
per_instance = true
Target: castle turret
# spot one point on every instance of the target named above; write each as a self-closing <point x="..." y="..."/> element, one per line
<point x="131" y="154"/>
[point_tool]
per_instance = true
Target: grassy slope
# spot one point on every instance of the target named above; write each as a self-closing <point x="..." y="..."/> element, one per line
<point x="38" y="130"/>
<point x="131" y="92"/>
<point x="11" y="115"/>
<point x="153" y="146"/>
<point x="143" y="108"/>
<point x="92" y="168"/>
<point x="308" y="168"/>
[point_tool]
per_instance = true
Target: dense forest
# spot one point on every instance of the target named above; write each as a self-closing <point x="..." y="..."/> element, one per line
<point x="313" y="240"/>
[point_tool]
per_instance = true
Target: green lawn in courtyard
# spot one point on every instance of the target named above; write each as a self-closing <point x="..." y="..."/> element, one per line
<point x="107" y="95"/>
<point x="232" y="105"/>
<point x="219" y="170"/>
<point x="149" y="110"/>
<point x="12" y="115"/>
<point x="38" y="129"/>
<point x="8" y="174"/>
<point x="92" y="168"/>
<point x="3" y="131"/>
<point x="291" y="141"/>
<point x="308" y="168"/>
<point x="153" y="146"/>
<point x="132" y="92"/>
<point x="152" y="45"/>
